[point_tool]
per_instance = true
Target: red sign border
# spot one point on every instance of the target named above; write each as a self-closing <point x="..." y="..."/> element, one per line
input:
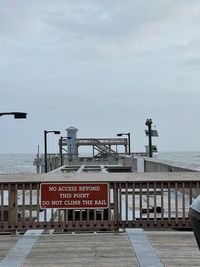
<point x="91" y="208"/>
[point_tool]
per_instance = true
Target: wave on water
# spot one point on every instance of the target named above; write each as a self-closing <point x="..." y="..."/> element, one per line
<point x="17" y="163"/>
<point x="23" y="163"/>
<point x="190" y="157"/>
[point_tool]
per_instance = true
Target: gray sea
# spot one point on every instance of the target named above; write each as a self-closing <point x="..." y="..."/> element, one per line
<point x="187" y="159"/>
<point x="23" y="163"/>
<point x="17" y="163"/>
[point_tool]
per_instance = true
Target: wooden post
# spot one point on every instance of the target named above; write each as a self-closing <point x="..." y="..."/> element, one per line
<point x="12" y="213"/>
<point x="116" y="209"/>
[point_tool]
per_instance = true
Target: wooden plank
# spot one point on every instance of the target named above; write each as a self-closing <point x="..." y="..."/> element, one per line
<point x="19" y="251"/>
<point x="175" y="248"/>
<point x="6" y="243"/>
<point x="89" y="249"/>
<point x="103" y="249"/>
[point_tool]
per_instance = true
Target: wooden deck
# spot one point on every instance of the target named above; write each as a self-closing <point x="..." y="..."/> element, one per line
<point x="6" y="243"/>
<point x="101" y="250"/>
<point x="175" y="248"/>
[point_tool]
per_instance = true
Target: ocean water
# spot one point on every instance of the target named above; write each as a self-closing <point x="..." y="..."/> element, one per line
<point x="17" y="163"/>
<point x="189" y="157"/>
<point x="23" y="163"/>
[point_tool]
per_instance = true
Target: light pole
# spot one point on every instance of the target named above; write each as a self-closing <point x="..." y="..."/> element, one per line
<point x="129" y="141"/>
<point x="45" y="147"/>
<point x="65" y="141"/>
<point x="60" y="148"/>
<point x="148" y="124"/>
<point x="17" y="115"/>
<point x="150" y="133"/>
<point x="69" y="149"/>
<point x="13" y="212"/>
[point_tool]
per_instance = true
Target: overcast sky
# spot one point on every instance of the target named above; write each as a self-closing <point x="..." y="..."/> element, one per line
<point x="102" y="66"/>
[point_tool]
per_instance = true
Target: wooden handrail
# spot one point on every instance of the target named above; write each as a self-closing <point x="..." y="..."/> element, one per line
<point x="155" y="203"/>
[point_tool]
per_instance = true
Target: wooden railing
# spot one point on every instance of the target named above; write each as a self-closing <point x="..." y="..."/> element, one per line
<point x="153" y="204"/>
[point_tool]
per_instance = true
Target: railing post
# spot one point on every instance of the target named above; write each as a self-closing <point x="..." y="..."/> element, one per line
<point x="12" y="213"/>
<point x="116" y="209"/>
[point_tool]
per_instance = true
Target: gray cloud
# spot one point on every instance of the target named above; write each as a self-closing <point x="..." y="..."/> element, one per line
<point x="193" y="62"/>
<point x="101" y="66"/>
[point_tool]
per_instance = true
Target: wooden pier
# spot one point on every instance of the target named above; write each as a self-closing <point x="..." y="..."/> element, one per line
<point x="121" y="235"/>
<point x="166" y="248"/>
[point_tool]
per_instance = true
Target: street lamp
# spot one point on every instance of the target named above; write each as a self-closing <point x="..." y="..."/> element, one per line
<point x="63" y="141"/>
<point x="45" y="147"/>
<point x="17" y="115"/>
<point x="129" y="141"/>
<point x="148" y="123"/>
<point x="13" y="192"/>
<point x="150" y="133"/>
<point x="60" y="149"/>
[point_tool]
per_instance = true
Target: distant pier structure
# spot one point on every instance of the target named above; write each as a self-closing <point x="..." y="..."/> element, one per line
<point x="104" y="150"/>
<point x="101" y="147"/>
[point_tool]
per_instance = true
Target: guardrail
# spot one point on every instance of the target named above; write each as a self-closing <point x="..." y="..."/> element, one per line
<point x="103" y="141"/>
<point x="154" y="204"/>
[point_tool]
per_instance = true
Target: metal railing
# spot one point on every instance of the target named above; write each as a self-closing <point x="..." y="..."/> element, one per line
<point x="159" y="204"/>
<point x="102" y="141"/>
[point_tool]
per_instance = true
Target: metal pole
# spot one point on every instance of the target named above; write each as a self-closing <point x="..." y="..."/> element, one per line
<point x="45" y="151"/>
<point x="38" y="160"/>
<point x="45" y="148"/>
<point x="70" y="151"/>
<point x="129" y="143"/>
<point x="150" y="139"/>
<point x="61" y="154"/>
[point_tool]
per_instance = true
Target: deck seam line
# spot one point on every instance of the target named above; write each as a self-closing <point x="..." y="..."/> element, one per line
<point x="20" y="250"/>
<point x="17" y="254"/>
<point x="143" y="249"/>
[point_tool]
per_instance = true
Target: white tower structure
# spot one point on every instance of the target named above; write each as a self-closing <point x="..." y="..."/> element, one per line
<point x="71" y="142"/>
